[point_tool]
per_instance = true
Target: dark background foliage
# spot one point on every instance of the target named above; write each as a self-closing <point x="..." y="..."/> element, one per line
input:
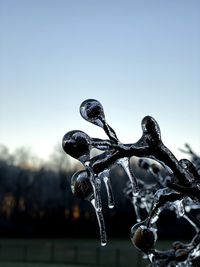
<point x="36" y="201"/>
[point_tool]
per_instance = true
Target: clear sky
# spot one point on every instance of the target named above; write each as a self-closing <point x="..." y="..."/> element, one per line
<point x="137" y="57"/>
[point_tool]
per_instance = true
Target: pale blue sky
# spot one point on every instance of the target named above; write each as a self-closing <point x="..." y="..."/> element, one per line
<point x="137" y="57"/>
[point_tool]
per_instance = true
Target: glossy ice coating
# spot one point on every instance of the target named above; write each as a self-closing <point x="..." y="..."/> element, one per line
<point x="81" y="186"/>
<point x="144" y="238"/>
<point x="77" y="144"/>
<point x="173" y="184"/>
<point x="92" y="110"/>
<point x="151" y="127"/>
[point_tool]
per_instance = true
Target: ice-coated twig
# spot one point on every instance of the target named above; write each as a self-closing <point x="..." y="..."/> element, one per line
<point x="176" y="184"/>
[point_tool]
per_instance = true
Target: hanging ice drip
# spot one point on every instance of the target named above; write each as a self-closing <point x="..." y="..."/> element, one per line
<point x="82" y="188"/>
<point x="92" y="111"/>
<point x="175" y="184"/>
<point x="85" y="184"/>
<point x="144" y="238"/>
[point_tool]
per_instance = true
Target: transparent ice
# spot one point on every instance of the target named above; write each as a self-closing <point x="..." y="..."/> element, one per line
<point x="125" y="164"/>
<point x="174" y="184"/>
<point x="105" y="177"/>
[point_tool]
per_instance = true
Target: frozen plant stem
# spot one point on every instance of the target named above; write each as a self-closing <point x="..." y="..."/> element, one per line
<point x="176" y="183"/>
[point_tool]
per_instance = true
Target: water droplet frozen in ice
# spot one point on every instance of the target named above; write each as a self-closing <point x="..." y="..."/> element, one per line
<point x="143" y="238"/>
<point x="77" y="144"/>
<point x="136" y="226"/>
<point x="92" y="110"/>
<point x="81" y="186"/>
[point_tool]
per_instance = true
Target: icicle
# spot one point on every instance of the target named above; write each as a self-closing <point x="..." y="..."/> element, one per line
<point x="155" y="216"/>
<point x="179" y="209"/>
<point x="152" y="260"/>
<point x="125" y="164"/>
<point x="134" y="200"/>
<point x="191" y="222"/>
<point x="105" y="176"/>
<point x="82" y="188"/>
<point x="96" y="185"/>
<point x="101" y="223"/>
<point x="136" y="207"/>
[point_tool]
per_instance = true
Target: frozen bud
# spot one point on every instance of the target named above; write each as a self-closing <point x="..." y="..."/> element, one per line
<point x="151" y="127"/>
<point x="92" y="110"/>
<point x="77" y="144"/>
<point x="81" y="186"/>
<point x="144" y="238"/>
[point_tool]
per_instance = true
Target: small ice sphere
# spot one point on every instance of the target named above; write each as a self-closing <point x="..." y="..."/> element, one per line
<point x="77" y="144"/>
<point x="92" y="110"/>
<point x="81" y="186"/>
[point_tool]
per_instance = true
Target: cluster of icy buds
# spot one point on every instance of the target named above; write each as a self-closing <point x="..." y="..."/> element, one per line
<point x="176" y="186"/>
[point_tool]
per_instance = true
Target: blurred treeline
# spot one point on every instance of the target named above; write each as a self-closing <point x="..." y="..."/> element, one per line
<point x="36" y="200"/>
